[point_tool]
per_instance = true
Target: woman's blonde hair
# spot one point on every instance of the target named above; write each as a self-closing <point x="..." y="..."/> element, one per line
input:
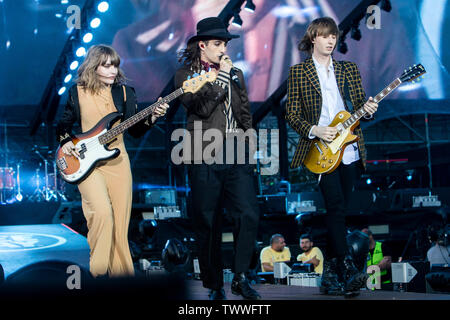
<point x="96" y="56"/>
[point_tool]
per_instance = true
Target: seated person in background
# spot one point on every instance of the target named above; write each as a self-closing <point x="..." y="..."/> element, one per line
<point x="276" y="252"/>
<point x="310" y="254"/>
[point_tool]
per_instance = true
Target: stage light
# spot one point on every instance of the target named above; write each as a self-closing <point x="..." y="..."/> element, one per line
<point x="386" y="5"/>
<point x="103" y="6"/>
<point x="19" y="197"/>
<point x="356" y="33"/>
<point x="250" y="6"/>
<point x="342" y="47"/>
<point x="62" y="90"/>
<point x="95" y="23"/>
<point x="237" y="21"/>
<point x="81" y="51"/>
<point x="358" y="247"/>
<point x="175" y="255"/>
<point x="67" y="78"/>
<point x="87" y="37"/>
<point x="64" y="1"/>
<point x="409" y="174"/>
<point x="74" y="65"/>
<point x="369" y="181"/>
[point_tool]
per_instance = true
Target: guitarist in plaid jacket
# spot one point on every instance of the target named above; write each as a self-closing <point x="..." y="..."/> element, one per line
<point x="318" y="89"/>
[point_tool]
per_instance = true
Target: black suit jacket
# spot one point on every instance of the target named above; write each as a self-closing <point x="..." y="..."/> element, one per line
<point x="128" y="107"/>
<point x="207" y="104"/>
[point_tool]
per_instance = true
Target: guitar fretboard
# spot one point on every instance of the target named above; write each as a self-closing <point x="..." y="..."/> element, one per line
<point x="112" y="133"/>
<point x="361" y="112"/>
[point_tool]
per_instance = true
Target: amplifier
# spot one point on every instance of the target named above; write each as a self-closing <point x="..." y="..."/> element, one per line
<point x="304" y="279"/>
<point x="272" y="204"/>
<point x="291" y="203"/>
<point x="160" y="197"/>
<point x="167" y="212"/>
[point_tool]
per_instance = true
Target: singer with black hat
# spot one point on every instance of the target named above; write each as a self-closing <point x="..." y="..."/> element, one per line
<point x="222" y="105"/>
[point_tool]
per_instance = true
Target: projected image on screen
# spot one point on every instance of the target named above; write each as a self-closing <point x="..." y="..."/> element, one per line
<point x="268" y="44"/>
<point x="148" y="34"/>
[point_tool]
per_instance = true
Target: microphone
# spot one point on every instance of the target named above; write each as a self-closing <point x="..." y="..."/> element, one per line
<point x="233" y="71"/>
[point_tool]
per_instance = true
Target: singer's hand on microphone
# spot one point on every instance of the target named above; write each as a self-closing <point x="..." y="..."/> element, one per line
<point x="225" y="63"/>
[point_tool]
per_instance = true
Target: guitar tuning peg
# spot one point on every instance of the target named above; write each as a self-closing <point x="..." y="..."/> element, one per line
<point x="410" y="68"/>
<point x="415" y="65"/>
<point x="404" y="70"/>
<point x="195" y="75"/>
<point x="203" y="72"/>
<point x="189" y="77"/>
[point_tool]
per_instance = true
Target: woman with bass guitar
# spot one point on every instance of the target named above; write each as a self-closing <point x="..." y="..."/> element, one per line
<point x="106" y="192"/>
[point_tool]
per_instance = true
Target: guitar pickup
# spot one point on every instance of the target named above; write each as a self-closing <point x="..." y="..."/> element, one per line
<point x="83" y="149"/>
<point x="61" y="163"/>
<point x="318" y="148"/>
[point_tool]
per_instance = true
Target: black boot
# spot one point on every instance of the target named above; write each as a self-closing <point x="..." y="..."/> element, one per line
<point x="354" y="279"/>
<point x="241" y="286"/>
<point x="217" y="294"/>
<point x="330" y="283"/>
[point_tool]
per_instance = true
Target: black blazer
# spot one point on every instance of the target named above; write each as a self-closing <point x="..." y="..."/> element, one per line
<point x="128" y="108"/>
<point x="206" y="105"/>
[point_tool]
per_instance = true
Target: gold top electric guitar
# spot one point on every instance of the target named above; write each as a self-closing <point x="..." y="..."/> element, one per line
<point x="324" y="157"/>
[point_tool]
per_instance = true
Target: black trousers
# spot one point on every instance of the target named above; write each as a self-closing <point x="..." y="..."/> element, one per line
<point x="337" y="188"/>
<point x="214" y="187"/>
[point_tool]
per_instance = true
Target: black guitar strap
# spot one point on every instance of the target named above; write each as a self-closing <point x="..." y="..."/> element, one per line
<point x="117" y="93"/>
<point x="75" y="103"/>
<point x="347" y="100"/>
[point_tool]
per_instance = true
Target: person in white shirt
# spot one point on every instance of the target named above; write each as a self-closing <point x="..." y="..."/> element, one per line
<point x="318" y="89"/>
<point x="438" y="253"/>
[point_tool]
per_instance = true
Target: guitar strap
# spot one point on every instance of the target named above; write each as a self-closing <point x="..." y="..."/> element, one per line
<point x="347" y="100"/>
<point x="119" y="97"/>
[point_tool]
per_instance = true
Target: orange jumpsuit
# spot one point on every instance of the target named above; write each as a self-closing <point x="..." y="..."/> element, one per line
<point x="106" y="196"/>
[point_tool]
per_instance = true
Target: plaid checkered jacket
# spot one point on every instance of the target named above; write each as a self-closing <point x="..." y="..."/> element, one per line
<point x="304" y="102"/>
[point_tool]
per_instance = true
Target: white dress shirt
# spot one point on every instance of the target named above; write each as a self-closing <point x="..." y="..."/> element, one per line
<point x="332" y="104"/>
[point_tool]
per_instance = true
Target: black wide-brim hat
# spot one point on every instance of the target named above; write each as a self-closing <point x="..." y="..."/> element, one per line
<point x="212" y="28"/>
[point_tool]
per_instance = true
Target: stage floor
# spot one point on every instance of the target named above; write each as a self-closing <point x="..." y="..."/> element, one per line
<point x="21" y="246"/>
<point x="284" y="292"/>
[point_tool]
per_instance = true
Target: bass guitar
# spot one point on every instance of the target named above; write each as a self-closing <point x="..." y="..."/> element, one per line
<point x="93" y="144"/>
